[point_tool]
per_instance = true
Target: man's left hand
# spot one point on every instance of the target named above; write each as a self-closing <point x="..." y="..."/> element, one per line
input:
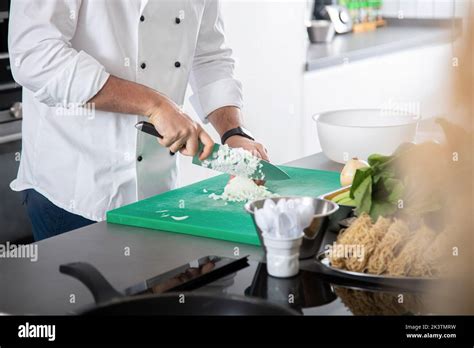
<point x="229" y="117"/>
<point x="255" y="148"/>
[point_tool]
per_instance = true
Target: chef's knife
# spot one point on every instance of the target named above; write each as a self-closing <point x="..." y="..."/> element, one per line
<point x="148" y="128"/>
<point x="269" y="171"/>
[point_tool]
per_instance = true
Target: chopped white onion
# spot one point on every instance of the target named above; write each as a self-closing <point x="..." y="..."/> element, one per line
<point x="242" y="189"/>
<point x="235" y="161"/>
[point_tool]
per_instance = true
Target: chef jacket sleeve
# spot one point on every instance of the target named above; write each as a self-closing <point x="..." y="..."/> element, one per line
<point x="42" y="58"/>
<point x="212" y="75"/>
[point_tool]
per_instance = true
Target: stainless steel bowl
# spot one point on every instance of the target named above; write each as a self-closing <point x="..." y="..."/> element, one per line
<point x="321" y="31"/>
<point x="312" y="238"/>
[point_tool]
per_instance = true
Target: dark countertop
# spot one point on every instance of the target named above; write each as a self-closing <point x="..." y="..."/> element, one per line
<point x="398" y="35"/>
<point x="39" y="288"/>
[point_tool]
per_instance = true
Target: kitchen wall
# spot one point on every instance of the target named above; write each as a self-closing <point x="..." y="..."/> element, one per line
<point x="425" y="8"/>
<point x="269" y="42"/>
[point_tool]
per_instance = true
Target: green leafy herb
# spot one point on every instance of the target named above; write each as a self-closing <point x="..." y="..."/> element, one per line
<point x="375" y="189"/>
<point x="398" y="184"/>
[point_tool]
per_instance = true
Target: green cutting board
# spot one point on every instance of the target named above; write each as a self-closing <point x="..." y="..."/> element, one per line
<point x="216" y="219"/>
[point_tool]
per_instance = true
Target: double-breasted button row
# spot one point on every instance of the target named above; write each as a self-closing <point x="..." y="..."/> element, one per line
<point x="177" y="20"/>
<point x="176" y="64"/>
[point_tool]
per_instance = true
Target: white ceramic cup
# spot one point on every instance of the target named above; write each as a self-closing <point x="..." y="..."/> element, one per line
<point x="282" y="255"/>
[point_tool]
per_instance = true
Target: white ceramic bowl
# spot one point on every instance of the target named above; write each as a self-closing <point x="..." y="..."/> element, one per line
<point x="346" y="134"/>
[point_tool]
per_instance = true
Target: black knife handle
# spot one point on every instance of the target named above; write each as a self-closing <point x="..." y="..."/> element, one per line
<point x="150" y="129"/>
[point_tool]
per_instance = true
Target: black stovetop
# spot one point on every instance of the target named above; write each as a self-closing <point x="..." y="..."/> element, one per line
<point x="311" y="294"/>
<point x="317" y="291"/>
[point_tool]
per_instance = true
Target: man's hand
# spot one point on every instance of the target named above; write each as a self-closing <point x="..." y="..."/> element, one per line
<point x="255" y="148"/>
<point x="179" y="131"/>
<point x="229" y="117"/>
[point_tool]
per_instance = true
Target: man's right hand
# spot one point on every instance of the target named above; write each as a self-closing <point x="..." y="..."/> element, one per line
<point x="179" y="131"/>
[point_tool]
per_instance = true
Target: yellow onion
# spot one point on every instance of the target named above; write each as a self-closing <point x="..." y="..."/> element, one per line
<point x="349" y="170"/>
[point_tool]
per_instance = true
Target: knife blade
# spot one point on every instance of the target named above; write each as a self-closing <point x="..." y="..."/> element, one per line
<point x="269" y="171"/>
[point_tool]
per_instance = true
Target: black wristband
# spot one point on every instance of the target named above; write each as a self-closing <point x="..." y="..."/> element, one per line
<point x="235" y="131"/>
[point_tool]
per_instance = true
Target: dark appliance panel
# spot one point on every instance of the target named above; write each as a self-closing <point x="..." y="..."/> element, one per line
<point x="14" y="223"/>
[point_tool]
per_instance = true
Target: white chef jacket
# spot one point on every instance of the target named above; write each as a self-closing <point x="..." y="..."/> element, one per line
<point x="62" y="51"/>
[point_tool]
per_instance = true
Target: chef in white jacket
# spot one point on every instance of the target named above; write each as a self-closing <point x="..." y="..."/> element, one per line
<point x="91" y="69"/>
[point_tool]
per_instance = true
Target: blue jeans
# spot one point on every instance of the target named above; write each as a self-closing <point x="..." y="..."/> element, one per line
<point x="47" y="219"/>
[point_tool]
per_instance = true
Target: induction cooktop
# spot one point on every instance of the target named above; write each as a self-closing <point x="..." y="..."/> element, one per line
<point x="310" y="294"/>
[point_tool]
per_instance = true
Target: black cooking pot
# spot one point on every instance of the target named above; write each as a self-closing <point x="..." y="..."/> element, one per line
<point x="111" y="302"/>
